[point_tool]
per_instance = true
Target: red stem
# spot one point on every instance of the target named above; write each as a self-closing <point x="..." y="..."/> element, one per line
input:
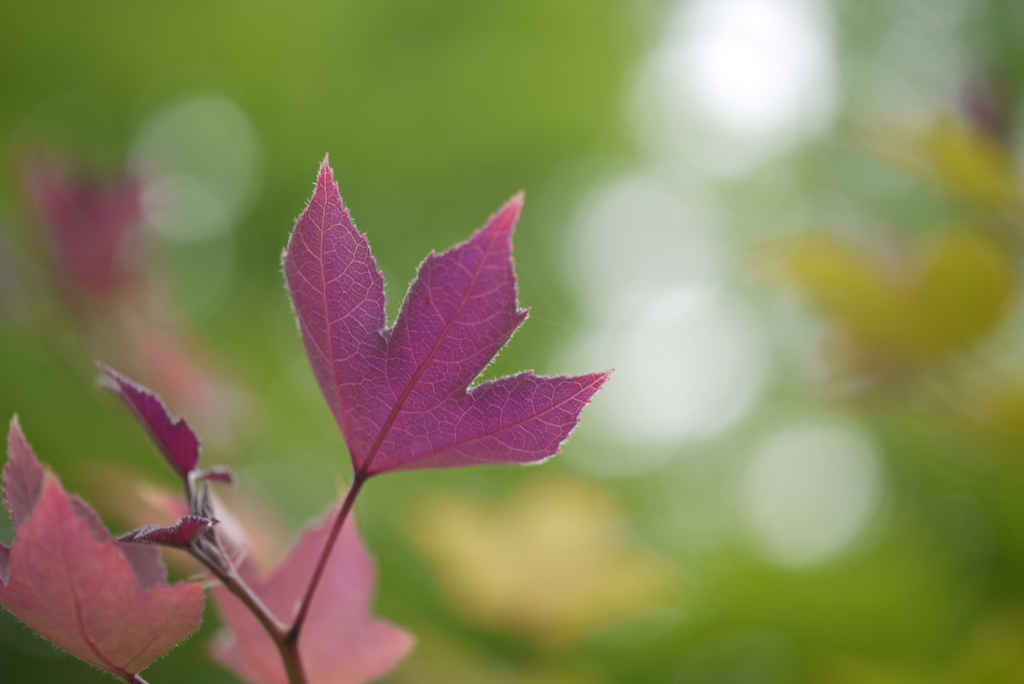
<point x="286" y="640"/>
<point x="237" y="586"/>
<point x="292" y="636"/>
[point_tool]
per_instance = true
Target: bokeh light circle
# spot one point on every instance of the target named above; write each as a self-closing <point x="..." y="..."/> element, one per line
<point x="811" y="489"/>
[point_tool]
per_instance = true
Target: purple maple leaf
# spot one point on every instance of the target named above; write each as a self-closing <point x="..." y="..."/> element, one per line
<point x="178" y="535"/>
<point x="173" y="436"/>
<point x="401" y="395"/>
<point x="90" y="223"/>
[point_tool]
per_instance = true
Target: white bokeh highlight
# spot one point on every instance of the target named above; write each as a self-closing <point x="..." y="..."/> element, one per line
<point x="688" y="356"/>
<point x="811" y="490"/>
<point x="688" y="365"/>
<point x="754" y="66"/>
<point x="638" y="235"/>
<point x="201" y="160"/>
<point x="729" y="84"/>
<point x="735" y="82"/>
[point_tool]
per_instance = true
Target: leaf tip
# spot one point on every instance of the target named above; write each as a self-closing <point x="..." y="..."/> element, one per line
<point x="599" y="379"/>
<point x="507" y="217"/>
<point x="219" y="474"/>
<point x="17" y="443"/>
<point x="15" y="427"/>
<point x="23" y="476"/>
<point x="109" y="378"/>
<point x="325" y="176"/>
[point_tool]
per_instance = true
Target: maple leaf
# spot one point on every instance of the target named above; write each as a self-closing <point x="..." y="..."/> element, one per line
<point x="401" y="395"/>
<point x="341" y="643"/>
<point x="90" y="221"/>
<point x="103" y="602"/>
<point x="173" y="436"/>
<point x="179" y="535"/>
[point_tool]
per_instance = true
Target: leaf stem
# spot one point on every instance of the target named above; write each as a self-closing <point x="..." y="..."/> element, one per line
<point x="286" y="639"/>
<point x="236" y="585"/>
<point x="358" y="480"/>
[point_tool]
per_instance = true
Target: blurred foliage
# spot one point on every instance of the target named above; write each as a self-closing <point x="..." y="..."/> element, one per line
<point x="959" y="157"/>
<point x="951" y="291"/>
<point x="884" y="255"/>
<point x="551" y="566"/>
<point x="993" y="653"/>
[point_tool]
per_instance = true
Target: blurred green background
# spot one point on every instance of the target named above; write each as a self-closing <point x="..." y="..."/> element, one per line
<point x="793" y="227"/>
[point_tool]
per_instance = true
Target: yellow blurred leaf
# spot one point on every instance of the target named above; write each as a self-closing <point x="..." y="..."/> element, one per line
<point x="965" y="163"/>
<point x="845" y="283"/>
<point x="992" y="407"/>
<point x="947" y="293"/>
<point x="963" y="291"/>
<point x="552" y="565"/>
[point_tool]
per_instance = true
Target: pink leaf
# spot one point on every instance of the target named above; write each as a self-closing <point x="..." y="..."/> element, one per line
<point x="179" y="535"/>
<point x="23" y="476"/>
<point x="219" y="474"/>
<point x="340" y="643"/>
<point x="146" y="563"/>
<point x="173" y="436"/>
<point x="90" y="222"/>
<point x="69" y="581"/>
<point x="401" y="395"/>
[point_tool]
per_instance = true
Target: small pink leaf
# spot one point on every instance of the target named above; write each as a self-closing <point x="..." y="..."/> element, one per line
<point x="340" y="643"/>
<point x="23" y="476"/>
<point x="216" y="474"/>
<point x="172" y="436"/>
<point x="90" y="222"/>
<point x="179" y="535"/>
<point x="401" y="395"/>
<point x="69" y="581"/>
